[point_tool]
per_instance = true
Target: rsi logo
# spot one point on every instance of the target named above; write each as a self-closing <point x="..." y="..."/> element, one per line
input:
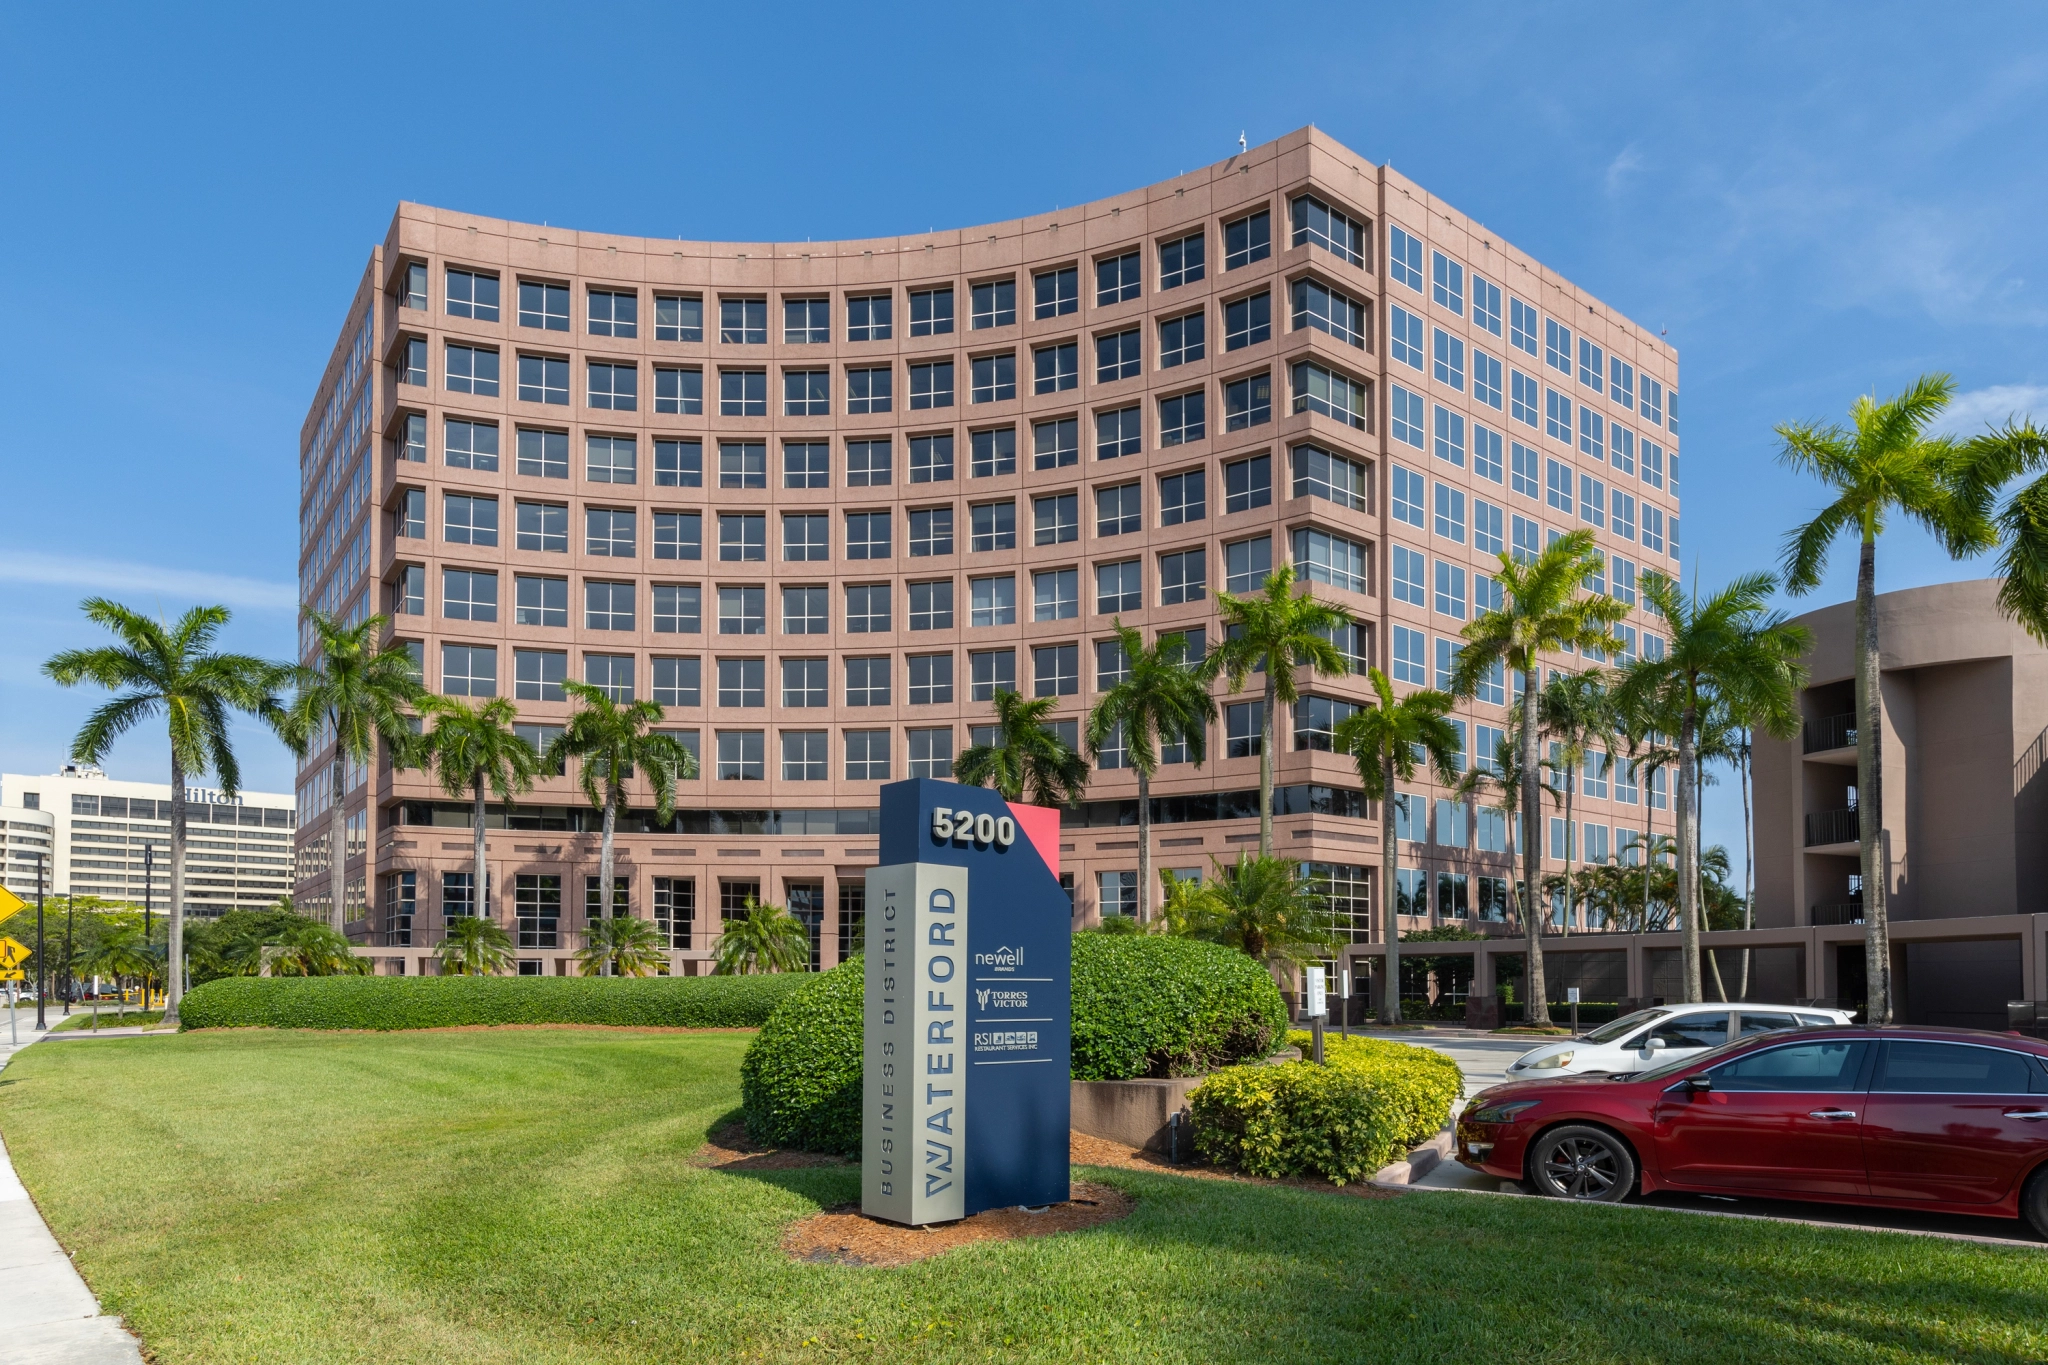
<point x="1001" y="957"/>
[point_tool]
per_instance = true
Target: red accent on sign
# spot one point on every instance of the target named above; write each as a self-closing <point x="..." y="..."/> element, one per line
<point x="1041" y="825"/>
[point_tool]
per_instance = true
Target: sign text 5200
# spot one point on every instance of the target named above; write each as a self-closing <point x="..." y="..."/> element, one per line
<point x="963" y="827"/>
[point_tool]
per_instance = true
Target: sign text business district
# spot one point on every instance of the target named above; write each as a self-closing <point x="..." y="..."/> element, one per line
<point x="968" y="1009"/>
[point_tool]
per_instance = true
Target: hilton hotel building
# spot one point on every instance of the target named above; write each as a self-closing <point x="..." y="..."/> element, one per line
<point x="821" y="500"/>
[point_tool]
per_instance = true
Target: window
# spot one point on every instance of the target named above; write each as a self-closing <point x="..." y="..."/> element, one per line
<point x="473" y="369"/>
<point x="1181" y="498"/>
<point x="1248" y="402"/>
<point x="1183" y="418"/>
<point x="931" y="532"/>
<point x="806" y="321"/>
<point x="543" y="379"/>
<point x="1450" y="437"/>
<point x="1557" y="346"/>
<point x="1181" y="340"/>
<point x="931" y="605"/>
<point x="1247" y="239"/>
<point x="678" y="464"/>
<point x="607" y="606"/>
<point x="469" y="595"/>
<point x="614" y="313"/>
<point x="743" y="322"/>
<point x="931" y="385"/>
<point x="611" y="674"/>
<point x="1524" y="462"/>
<point x="804" y="683"/>
<point x="803" y="755"/>
<point x="1119" y="587"/>
<point x="1622" y="575"/>
<point x="1407" y="414"/>
<point x="469" y="671"/>
<point x="1524" y="540"/>
<point x="1055" y="519"/>
<point x="1557" y="417"/>
<point x="992" y="452"/>
<point x="1319" y="306"/>
<point x="867" y="535"/>
<point x="1486" y="524"/>
<point x="931" y="459"/>
<point x="867" y="755"/>
<point x="1447" y="283"/>
<point x="1621" y="448"/>
<point x="1449" y="365"/>
<point x="679" y="390"/>
<point x="739" y="755"/>
<point x="678" y="681"/>
<point x="678" y="608"/>
<point x="1116" y="279"/>
<point x="1320" y="474"/>
<point x="1450" y="513"/>
<point x="412" y="366"/>
<point x="804" y="612"/>
<point x="806" y="537"/>
<point x="1056" y="671"/>
<point x="1117" y="356"/>
<point x="678" y="317"/>
<point x="1242" y="725"/>
<point x="1485" y="453"/>
<point x="993" y="304"/>
<point x="1119" y="510"/>
<point x="742" y="682"/>
<point x="543" y="454"/>
<point x="409" y="517"/>
<point x="1409" y="497"/>
<point x="868" y="464"/>
<point x="469" y="521"/>
<point x="931" y="678"/>
<point x="931" y="753"/>
<point x="1247" y="564"/>
<point x="1056" y="444"/>
<point x="1653" y="464"/>
<point x="805" y="464"/>
<point x="1317" y="224"/>
<point x="1653" y="528"/>
<point x="1331" y="394"/>
<point x="743" y="610"/>
<point x="412" y="289"/>
<point x="994" y="378"/>
<point x="1450" y="591"/>
<point x="1522" y="404"/>
<point x="1411" y="577"/>
<point x="870" y="317"/>
<point x="1248" y="484"/>
<point x="1055" y="293"/>
<point x="867" y="680"/>
<point x="1119" y="433"/>
<point x="470" y="445"/>
<point x="743" y="393"/>
<point x="931" y="312"/>
<point x="992" y="526"/>
<point x="1592" y="433"/>
<point x="1485" y="304"/>
<point x="1592" y="500"/>
<point x="867" y="609"/>
<point x="1558" y="486"/>
<point x="1181" y="261"/>
<point x="1055" y="368"/>
<point x="870" y="390"/>
<point x="1183" y="576"/>
<point x="1487" y="595"/>
<point x="411" y="442"/>
<point x="608" y="532"/>
<point x="992" y="601"/>
<point x="409" y="591"/>
<point x="609" y="459"/>
<point x="545" y="306"/>
<point x="743" y="464"/>
<point x="1409" y="666"/>
<point x="1316" y="720"/>
<point x="1485" y="378"/>
<point x="1624" y="515"/>
<point x="1116" y="894"/>
<point x="1652" y="406"/>
<point x="1404" y="337"/>
<point x="806" y="393"/>
<point x="743" y="537"/>
<point x="991" y="671"/>
<point x="1592" y="365"/>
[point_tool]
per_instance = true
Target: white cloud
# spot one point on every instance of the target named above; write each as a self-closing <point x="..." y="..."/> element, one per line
<point x="1977" y="409"/>
<point x="1626" y="163"/>
<point x="152" y="584"/>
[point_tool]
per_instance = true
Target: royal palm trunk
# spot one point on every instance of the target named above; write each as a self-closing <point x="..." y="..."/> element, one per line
<point x="1688" y="856"/>
<point x="1266" y="765"/>
<point x="337" y="842"/>
<point x="175" y="948"/>
<point x="478" y="902"/>
<point x="1877" y="951"/>
<point x="1538" y="1008"/>
<point x="605" y="909"/>
<point x="1144" y="846"/>
<point x="1748" y="869"/>
<point x="1390" y="978"/>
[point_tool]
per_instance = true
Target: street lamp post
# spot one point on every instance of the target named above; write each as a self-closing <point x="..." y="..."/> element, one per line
<point x="70" y="941"/>
<point x="148" y="903"/>
<point x="42" y="969"/>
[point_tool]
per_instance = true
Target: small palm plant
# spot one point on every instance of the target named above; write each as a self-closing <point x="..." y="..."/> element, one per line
<point x="622" y="946"/>
<point x="314" y="949"/>
<point x="119" y="954"/>
<point x="1026" y="757"/>
<point x="474" y="750"/>
<point x="474" y="946"/>
<point x="1266" y="908"/>
<point x="1392" y="737"/>
<point x="1158" y="701"/>
<point x="762" y="938"/>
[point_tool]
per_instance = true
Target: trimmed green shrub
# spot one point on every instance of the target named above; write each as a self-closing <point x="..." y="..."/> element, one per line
<point x="1341" y="1121"/>
<point x="800" y="1082"/>
<point x="413" y="1002"/>
<point x="1161" y="1005"/>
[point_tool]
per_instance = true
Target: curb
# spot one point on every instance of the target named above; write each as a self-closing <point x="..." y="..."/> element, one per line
<point x="1420" y="1161"/>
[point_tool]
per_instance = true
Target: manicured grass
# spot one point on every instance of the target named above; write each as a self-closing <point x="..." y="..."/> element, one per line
<point x="109" y="1018"/>
<point x="526" y="1196"/>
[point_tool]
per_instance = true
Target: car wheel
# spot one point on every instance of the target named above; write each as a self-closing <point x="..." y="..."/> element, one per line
<point x="2034" y="1202"/>
<point x="1582" y="1162"/>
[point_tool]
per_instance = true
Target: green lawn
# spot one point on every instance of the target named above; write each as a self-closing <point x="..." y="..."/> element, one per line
<point x="526" y="1196"/>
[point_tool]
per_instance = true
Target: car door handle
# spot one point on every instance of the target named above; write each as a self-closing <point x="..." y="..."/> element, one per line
<point x="1832" y="1114"/>
<point x="2030" y="1115"/>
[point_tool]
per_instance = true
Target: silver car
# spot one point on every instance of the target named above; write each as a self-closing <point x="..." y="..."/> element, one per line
<point x="1665" y="1033"/>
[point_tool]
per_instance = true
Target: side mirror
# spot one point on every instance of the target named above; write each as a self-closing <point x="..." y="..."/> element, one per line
<point x="1700" y="1084"/>
<point x="1654" y="1045"/>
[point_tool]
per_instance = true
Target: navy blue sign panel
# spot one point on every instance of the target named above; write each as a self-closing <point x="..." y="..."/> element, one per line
<point x="1013" y="1112"/>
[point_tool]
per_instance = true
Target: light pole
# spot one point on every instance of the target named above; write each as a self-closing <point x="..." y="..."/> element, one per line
<point x="42" y="969"/>
<point x="70" y="939"/>
<point x="148" y="903"/>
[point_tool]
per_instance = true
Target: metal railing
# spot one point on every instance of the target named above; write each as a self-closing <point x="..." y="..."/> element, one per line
<point x="1832" y="827"/>
<point x="1840" y="912"/>
<point x="1830" y="732"/>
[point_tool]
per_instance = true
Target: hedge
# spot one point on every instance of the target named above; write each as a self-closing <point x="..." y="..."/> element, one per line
<point x="1161" y="1005"/>
<point x="1341" y="1121"/>
<point x="414" y="1002"/>
<point x="800" y="1082"/>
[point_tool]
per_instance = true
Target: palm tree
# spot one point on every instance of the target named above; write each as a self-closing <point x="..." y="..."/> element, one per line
<point x="1541" y="610"/>
<point x="1728" y="645"/>
<point x="173" y="672"/>
<point x="475" y="946"/>
<point x="1389" y="738"/>
<point x="1260" y="629"/>
<point x="1159" y="701"/>
<point x="1884" y="464"/>
<point x="118" y="954"/>
<point x="1026" y="757"/>
<point x="474" y="749"/>
<point x="314" y="949"/>
<point x="610" y="742"/>
<point x="622" y="946"/>
<point x="1577" y="710"/>
<point x="355" y="694"/>
<point x="1993" y="460"/>
<point x="1263" y="907"/>
<point x="763" y="938"/>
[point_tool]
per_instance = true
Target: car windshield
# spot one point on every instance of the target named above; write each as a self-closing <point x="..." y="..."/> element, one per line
<point x="1707" y="1058"/>
<point x="1607" y="1033"/>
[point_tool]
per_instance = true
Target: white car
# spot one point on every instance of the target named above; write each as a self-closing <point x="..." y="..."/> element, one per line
<point x="1667" y="1033"/>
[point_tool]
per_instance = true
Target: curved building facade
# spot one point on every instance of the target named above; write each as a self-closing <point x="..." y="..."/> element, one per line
<point x="821" y="500"/>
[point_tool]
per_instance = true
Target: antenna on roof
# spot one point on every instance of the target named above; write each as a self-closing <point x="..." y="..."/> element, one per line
<point x="1240" y="142"/>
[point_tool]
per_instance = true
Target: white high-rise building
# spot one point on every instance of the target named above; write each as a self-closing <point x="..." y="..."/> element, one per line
<point x="96" y="832"/>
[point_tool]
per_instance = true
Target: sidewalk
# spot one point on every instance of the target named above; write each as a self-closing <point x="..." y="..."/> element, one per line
<point x="47" y="1315"/>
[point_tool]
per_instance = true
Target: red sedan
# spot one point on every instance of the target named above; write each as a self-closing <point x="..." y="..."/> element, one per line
<point x="1945" y="1120"/>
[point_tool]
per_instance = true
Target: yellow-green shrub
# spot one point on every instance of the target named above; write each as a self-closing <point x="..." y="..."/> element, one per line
<point x="1419" y="1082"/>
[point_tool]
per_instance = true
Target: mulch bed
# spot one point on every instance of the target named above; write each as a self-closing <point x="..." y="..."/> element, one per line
<point x="1095" y="1151"/>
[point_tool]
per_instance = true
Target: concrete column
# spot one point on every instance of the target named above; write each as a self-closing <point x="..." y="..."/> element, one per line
<point x="2034" y="958"/>
<point x="1638" y="973"/>
<point x="1482" y="969"/>
<point x="1816" y="966"/>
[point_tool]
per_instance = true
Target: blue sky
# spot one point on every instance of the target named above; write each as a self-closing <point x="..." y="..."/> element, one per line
<point x="1812" y="201"/>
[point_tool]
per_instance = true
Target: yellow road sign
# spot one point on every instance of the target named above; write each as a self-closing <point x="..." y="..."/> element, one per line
<point x="9" y="902"/>
<point x="16" y="975"/>
<point x="12" y="954"/>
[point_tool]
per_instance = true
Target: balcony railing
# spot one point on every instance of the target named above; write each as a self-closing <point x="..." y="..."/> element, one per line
<point x="1831" y="827"/>
<point x="1842" y="912"/>
<point x="1830" y="732"/>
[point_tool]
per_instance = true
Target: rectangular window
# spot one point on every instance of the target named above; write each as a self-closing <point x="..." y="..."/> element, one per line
<point x="1558" y="486"/>
<point x="1182" y="498"/>
<point x="1119" y="511"/>
<point x="1557" y="417"/>
<point x="678" y="681"/>
<point x="1525" y="540"/>
<point x="867" y="609"/>
<point x="931" y="679"/>
<point x="1523" y="404"/>
<point x="1592" y="433"/>
<point x="870" y="317"/>
<point x="1410" y="665"/>
<point x="1447" y="283"/>
<point x="1119" y="433"/>
<point x="544" y="379"/>
<point x="1450" y="437"/>
<point x="992" y="601"/>
<point x="1181" y="261"/>
<point x="1521" y="326"/>
<point x="1622" y="573"/>
<point x="1404" y="337"/>
<point x="1317" y="224"/>
<point x="742" y="682"/>
<point x="1450" y="590"/>
<point x="1242" y="729"/>
<point x="1592" y="500"/>
<point x="473" y="369"/>
<point x="1248" y="321"/>
<point x="1557" y="346"/>
<point x="805" y="611"/>
<point x="1247" y="239"/>
<point x="931" y="459"/>
<point x="412" y="289"/>
<point x="743" y="322"/>
<point x="805" y="464"/>
<point x="1653" y="528"/>
<point x="608" y="532"/>
<point x="1248" y="484"/>
<point x="931" y="312"/>
<point x="1181" y="340"/>
<point x="1624" y="508"/>
<point x="931" y="605"/>
<point x="468" y="595"/>
<point x="537" y="674"/>
<point x="1119" y="587"/>
<point x="545" y="306"/>
<point x="806" y="393"/>
<point x="411" y="442"/>
<point x="678" y="608"/>
<point x="1486" y="453"/>
<point x="1450" y="513"/>
<point x="412" y="364"/>
<point x="868" y="535"/>
<point x="469" y="671"/>
<point x="1407" y="417"/>
<point x="1118" y="356"/>
<point x="994" y="378"/>
<point x="678" y="317"/>
<point x="991" y="671"/>
<point x="678" y="464"/>
<point x="543" y="454"/>
<point x="1056" y="671"/>
<point x="1183" y="577"/>
<point x="1056" y="444"/>
<point x="867" y="755"/>
<point x="1247" y="564"/>
<point x="740" y="755"/>
<point x="614" y="387"/>
<point x="409" y="517"/>
<point x="992" y="452"/>
<point x="614" y="313"/>
<point x="1449" y="364"/>
<point x="1523" y="461"/>
<point x="869" y="464"/>
<point x="1055" y="368"/>
<point x="1409" y="496"/>
<point x="867" y="680"/>
<point x="1411" y="577"/>
<point x="469" y="521"/>
<point x="931" y="753"/>
<point x="607" y="606"/>
<point x="1653" y="464"/>
<point x="1248" y="402"/>
<point x="409" y="591"/>
<point x="1486" y="528"/>
<point x="1621" y="444"/>
<point x="744" y="393"/>
<point x="1320" y="474"/>
<point x="1485" y="379"/>
<point x="992" y="526"/>
<point x="1485" y="304"/>
<point x="1183" y="418"/>
<point x="1324" y="557"/>
<point x="1325" y="309"/>
<point x="743" y="537"/>
<point x="803" y="755"/>
<point x="679" y="389"/>
<point x="1592" y="365"/>
<point x="931" y="532"/>
<point x="470" y="445"/>
<point x="931" y="385"/>
<point x="806" y="537"/>
<point x="993" y="304"/>
<point x="871" y="389"/>
<point x="806" y="683"/>
<point x="1333" y="395"/>
<point x="1116" y="279"/>
<point x="610" y="459"/>
<point x="1487" y="595"/>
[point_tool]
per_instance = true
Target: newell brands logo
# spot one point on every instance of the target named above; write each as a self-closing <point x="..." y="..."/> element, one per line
<point x="1001" y="958"/>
